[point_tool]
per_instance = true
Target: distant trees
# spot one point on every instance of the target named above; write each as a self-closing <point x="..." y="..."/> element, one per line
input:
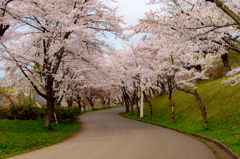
<point x="182" y="38"/>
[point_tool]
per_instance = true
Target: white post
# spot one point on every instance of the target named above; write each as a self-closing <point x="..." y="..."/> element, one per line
<point x="141" y="107"/>
<point x="139" y="95"/>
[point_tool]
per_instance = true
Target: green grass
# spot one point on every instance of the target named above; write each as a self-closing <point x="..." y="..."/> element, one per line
<point x="222" y="103"/>
<point x="18" y="137"/>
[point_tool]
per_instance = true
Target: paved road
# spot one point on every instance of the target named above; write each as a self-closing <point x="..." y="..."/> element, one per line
<point x="106" y="135"/>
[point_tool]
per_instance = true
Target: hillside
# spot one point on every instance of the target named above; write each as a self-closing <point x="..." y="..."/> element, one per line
<point x="223" y="112"/>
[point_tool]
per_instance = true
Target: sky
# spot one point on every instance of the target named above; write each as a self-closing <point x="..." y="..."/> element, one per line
<point x="131" y="10"/>
<point x="134" y="9"/>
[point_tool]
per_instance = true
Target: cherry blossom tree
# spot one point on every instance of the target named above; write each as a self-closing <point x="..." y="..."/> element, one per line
<point x="205" y="24"/>
<point x="170" y="56"/>
<point x="56" y="36"/>
<point x="214" y="25"/>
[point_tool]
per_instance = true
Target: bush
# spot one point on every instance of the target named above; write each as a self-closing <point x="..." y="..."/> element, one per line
<point x="29" y="112"/>
<point x="67" y="114"/>
<point x="4" y="113"/>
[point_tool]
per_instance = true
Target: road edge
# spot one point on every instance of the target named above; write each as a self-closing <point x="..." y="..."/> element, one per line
<point x="217" y="142"/>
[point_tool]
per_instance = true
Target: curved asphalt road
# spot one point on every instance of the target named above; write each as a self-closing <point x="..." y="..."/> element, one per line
<point x="106" y="135"/>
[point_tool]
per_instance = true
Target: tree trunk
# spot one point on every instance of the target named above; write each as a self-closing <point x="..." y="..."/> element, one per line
<point x="109" y="99"/>
<point x="154" y="91"/>
<point x="126" y="102"/>
<point x="172" y="106"/>
<point x="49" y="112"/>
<point x="132" y="103"/>
<point x="150" y="94"/>
<point x="225" y="61"/>
<point x="59" y="101"/>
<point x="131" y="108"/>
<point x="91" y="103"/>
<point x="137" y="104"/>
<point x="149" y="103"/>
<point x="228" y="11"/>
<point x="102" y="98"/>
<point x="3" y="29"/>
<point x="199" y="101"/>
<point x="79" y="105"/>
<point x="119" y="100"/>
<point x="123" y="100"/>
<point x="50" y="101"/>
<point x="202" y="107"/>
<point x="163" y="89"/>
<point x="70" y="101"/>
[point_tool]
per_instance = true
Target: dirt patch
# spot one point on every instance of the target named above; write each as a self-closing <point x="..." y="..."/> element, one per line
<point x="219" y="152"/>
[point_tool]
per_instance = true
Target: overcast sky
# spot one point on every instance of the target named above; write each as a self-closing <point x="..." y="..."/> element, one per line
<point x="131" y="10"/>
<point x="134" y="9"/>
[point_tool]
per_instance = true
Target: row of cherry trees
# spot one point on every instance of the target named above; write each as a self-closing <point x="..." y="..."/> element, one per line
<point x="180" y="41"/>
<point x="56" y="47"/>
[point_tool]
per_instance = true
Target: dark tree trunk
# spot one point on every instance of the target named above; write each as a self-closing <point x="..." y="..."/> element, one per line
<point x="198" y="68"/>
<point x="134" y="96"/>
<point x="59" y="101"/>
<point x="91" y="103"/>
<point x="132" y="103"/>
<point x="137" y="100"/>
<point x="3" y="29"/>
<point x="49" y="112"/>
<point x="50" y="101"/>
<point x="199" y="101"/>
<point x="155" y="92"/>
<point x="123" y="100"/>
<point x="150" y="94"/>
<point x="226" y="63"/>
<point x="119" y="100"/>
<point x="202" y="107"/>
<point x="70" y="101"/>
<point x="126" y="102"/>
<point x="79" y="105"/>
<point x="103" y="101"/>
<point x="90" y="100"/>
<point x="172" y="106"/>
<point x="163" y="89"/>
<point x="149" y="103"/>
<point x="109" y="99"/>
<point x="138" y="111"/>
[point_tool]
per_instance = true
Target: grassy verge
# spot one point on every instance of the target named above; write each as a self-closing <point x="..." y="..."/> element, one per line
<point x="17" y="137"/>
<point x="222" y="105"/>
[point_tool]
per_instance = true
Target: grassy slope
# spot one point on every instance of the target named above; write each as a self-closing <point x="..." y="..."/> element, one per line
<point x="222" y="105"/>
<point x="18" y="137"/>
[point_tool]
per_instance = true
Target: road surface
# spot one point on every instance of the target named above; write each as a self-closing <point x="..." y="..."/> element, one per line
<point x="106" y="135"/>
